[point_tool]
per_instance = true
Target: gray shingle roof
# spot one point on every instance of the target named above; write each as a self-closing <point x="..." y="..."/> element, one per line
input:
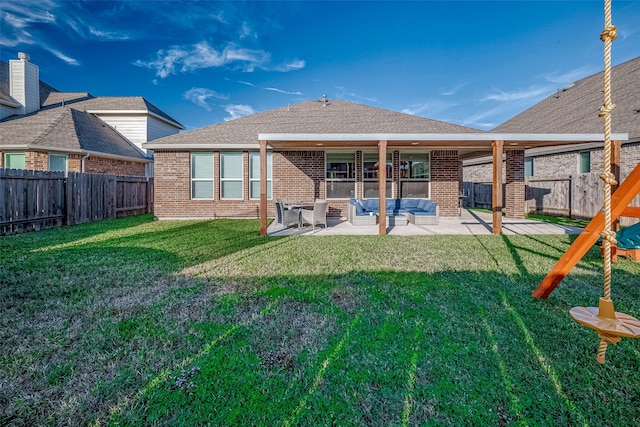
<point x="57" y="99"/>
<point x="67" y="129"/>
<point x="575" y="108"/>
<point x="313" y="117"/>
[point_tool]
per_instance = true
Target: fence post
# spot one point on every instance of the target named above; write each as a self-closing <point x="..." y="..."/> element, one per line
<point x="571" y="196"/>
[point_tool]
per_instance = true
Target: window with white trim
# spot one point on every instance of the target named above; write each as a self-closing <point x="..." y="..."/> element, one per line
<point x="15" y="161"/>
<point x="340" y="175"/>
<point x="584" y="162"/>
<point x="528" y="167"/>
<point x="370" y="175"/>
<point x="201" y="175"/>
<point x="231" y="175"/>
<point x="254" y="175"/>
<point x="415" y="175"/>
<point x="58" y="162"/>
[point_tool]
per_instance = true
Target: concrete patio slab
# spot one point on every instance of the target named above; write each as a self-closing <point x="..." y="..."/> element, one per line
<point x="468" y="223"/>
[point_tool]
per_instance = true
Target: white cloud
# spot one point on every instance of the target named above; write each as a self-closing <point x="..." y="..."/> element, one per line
<point x="453" y="90"/>
<point x="237" y="110"/>
<point x="62" y="56"/>
<point x="343" y="92"/>
<point x="202" y="55"/>
<point x="569" y="76"/>
<point x="247" y="31"/>
<point x="200" y="95"/>
<point x="517" y="95"/>
<point x="108" y="35"/>
<point x="272" y="89"/>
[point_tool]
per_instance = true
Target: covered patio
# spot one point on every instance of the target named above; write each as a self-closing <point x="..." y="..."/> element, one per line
<point x="507" y="151"/>
<point x="470" y="222"/>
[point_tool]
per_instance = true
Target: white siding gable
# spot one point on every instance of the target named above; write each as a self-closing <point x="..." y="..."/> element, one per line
<point x="158" y="129"/>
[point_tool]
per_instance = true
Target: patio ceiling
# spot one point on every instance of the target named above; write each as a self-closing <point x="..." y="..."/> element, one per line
<point x="469" y="145"/>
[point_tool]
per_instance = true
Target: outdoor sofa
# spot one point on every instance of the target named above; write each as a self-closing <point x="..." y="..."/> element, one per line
<point x="417" y="211"/>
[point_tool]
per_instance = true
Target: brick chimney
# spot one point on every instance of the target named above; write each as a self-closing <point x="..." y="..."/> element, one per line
<point x="24" y="83"/>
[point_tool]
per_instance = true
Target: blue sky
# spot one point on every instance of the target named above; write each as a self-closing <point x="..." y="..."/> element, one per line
<point x="473" y="63"/>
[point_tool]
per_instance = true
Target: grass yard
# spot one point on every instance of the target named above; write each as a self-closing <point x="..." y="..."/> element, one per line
<point x="136" y="322"/>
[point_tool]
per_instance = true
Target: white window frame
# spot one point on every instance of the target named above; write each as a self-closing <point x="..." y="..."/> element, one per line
<point x="211" y="179"/>
<point x="530" y="160"/>
<point x="580" y="154"/>
<point x="389" y="178"/>
<point x="66" y="162"/>
<point x="6" y="155"/>
<point x="255" y="156"/>
<point x="411" y="179"/>
<point x="328" y="180"/>
<point x="223" y="179"/>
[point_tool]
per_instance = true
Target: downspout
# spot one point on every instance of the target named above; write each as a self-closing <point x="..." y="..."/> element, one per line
<point x="83" y="159"/>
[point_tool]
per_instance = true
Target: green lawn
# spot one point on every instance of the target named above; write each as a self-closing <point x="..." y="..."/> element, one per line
<point x="136" y="322"/>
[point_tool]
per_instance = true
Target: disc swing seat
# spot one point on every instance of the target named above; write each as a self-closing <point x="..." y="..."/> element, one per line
<point x="611" y="326"/>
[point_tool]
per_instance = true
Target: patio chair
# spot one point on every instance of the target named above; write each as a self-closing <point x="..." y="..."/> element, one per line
<point x="316" y="216"/>
<point x="285" y="216"/>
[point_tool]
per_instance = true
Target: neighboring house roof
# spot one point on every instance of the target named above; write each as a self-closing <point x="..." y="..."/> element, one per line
<point x="57" y="99"/>
<point x="129" y="104"/>
<point x="68" y="130"/>
<point x="575" y="108"/>
<point x="336" y="117"/>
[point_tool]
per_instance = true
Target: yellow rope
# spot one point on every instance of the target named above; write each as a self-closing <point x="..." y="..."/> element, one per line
<point x="607" y="36"/>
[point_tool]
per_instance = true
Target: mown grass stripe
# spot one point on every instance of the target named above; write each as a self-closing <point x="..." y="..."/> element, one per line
<point x="411" y="377"/>
<point x="546" y="366"/>
<point x="515" y="402"/>
<point x="186" y="361"/>
<point x="323" y="369"/>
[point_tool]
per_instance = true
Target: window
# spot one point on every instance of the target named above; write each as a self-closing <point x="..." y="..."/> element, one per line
<point x="415" y="173"/>
<point x="202" y="175"/>
<point x="584" y="161"/>
<point x="341" y="175"/>
<point x="14" y="161"/>
<point x="370" y="175"/>
<point x="231" y="175"/>
<point x="528" y="167"/>
<point x="254" y="175"/>
<point x="57" y="162"/>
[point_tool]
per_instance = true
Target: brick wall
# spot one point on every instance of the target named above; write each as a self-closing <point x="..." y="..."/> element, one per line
<point x="514" y="187"/>
<point x="444" y="181"/>
<point x="298" y="175"/>
<point x="39" y="160"/>
<point x="95" y="164"/>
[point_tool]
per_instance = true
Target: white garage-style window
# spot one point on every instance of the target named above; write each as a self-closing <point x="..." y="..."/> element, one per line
<point x="231" y="175"/>
<point x="415" y="174"/>
<point x="254" y="175"/>
<point x="202" y="175"/>
<point x="341" y="175"/>
<point x="370" y="170"/>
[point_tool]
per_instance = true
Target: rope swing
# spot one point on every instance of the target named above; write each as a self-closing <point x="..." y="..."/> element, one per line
<point x="610" y="325"/>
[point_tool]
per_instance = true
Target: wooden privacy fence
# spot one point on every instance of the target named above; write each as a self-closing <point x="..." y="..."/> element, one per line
<point x="578" y="196"/>
<point x="34" y="200"/>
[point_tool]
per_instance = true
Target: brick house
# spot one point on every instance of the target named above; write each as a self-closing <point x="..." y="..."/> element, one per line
<point x="574" y="109"/>
<point x="329" y="149"/>
<point x="42" y="128"/>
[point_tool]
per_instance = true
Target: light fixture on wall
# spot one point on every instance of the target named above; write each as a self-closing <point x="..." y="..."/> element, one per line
<point x="414" y="143"/>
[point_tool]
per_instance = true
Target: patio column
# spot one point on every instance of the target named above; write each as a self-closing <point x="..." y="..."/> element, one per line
<point x="496" y="203"/>
<point x="263" y="188"/>
<point x="382" y="186"/>
<point x="514" y="183"/>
